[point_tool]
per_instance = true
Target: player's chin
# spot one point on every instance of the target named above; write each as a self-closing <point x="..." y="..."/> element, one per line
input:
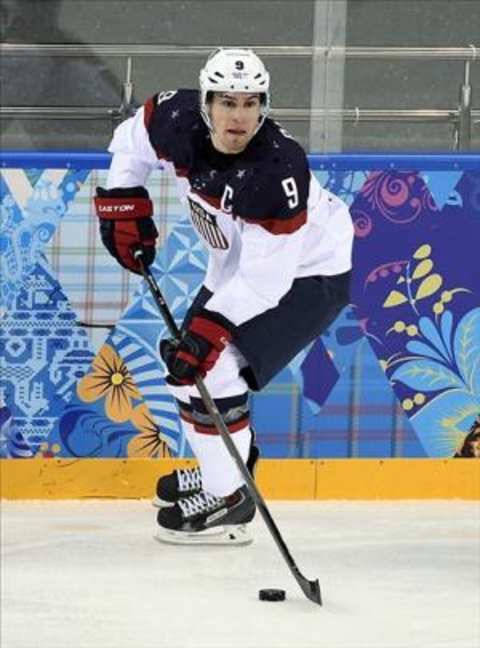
<point x="237" y="142"/>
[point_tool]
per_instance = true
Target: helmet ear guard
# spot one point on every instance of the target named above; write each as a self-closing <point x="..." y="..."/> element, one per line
<point x="234" y="70"/>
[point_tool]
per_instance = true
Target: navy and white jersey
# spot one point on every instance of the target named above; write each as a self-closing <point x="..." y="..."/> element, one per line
<point x="261" y="214"/>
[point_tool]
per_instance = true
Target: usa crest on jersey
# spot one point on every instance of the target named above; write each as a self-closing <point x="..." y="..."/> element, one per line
<point x="207" y="226"/>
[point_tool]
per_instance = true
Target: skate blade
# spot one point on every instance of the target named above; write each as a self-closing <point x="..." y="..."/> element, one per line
<point x="235" y="534"/>
<point x="159" y="503"/>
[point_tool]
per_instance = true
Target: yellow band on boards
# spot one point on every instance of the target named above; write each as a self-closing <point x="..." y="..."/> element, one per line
<point x="280" y="479"/>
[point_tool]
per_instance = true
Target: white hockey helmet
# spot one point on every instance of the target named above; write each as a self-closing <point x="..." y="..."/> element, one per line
<point x="235" y="70"/>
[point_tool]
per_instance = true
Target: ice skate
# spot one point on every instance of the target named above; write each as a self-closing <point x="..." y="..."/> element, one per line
<point x="187" y="481"/>
<point x="180" y="483"/>
<point x="203" y="518"/>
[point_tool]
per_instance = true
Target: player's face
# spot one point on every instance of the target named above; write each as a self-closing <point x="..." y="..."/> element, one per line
<point x="234" y="117"/>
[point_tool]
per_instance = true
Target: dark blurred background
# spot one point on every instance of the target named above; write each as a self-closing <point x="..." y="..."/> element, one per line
<point x="95" y="80"/>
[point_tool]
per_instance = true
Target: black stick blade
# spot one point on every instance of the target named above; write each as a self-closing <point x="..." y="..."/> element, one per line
<point x="311" y="589"/>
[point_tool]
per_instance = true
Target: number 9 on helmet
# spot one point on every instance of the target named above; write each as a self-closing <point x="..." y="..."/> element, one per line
<point x="234" y="70"/>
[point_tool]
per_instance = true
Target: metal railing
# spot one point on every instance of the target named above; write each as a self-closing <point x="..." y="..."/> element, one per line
<point x="470" y="53"/>
<point x="461" y="117"/>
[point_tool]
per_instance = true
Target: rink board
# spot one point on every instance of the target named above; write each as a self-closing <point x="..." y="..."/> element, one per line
<point x="354" y="417"/>
<point x="284" y="479"/>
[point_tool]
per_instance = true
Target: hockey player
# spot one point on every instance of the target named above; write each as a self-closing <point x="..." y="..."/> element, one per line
<point x="278" y="272"/>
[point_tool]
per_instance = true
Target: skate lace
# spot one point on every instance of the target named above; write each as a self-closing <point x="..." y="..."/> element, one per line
<point x="189" y="479"/>
<point x="198" y="503"/>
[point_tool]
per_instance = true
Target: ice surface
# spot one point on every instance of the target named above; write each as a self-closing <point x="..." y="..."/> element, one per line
<point x="88" y="574"/>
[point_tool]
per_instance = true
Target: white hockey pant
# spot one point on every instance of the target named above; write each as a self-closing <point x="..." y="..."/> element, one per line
<point x="220" y="475"/>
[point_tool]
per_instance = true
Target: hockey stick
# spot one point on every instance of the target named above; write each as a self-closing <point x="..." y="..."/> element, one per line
<point x="311" y="589"/>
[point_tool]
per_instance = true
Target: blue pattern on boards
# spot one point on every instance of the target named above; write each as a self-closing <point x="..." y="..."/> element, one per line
<point x="394" y="376"/>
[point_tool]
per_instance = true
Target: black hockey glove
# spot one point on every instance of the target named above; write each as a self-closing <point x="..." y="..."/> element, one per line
<point x="126" y="224"/>
<point x="199" y="348"/>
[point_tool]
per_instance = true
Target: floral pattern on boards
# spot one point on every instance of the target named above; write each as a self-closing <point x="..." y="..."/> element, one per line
<point x="442" y="373"/>
<point x="416" y="291"/>
<point x="148" y="443"/>
<point x="437" y="372"/>
<point x="414" y="314"/>
<point x="110" y="380"/>
<point x="12" y="442"/>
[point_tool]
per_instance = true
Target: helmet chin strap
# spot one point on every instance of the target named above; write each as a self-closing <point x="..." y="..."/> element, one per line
<point x="261" y="119"/>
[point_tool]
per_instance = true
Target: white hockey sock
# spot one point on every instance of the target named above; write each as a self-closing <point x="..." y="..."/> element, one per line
<point x="191" y="435"/>
<point x="220" y="475"/>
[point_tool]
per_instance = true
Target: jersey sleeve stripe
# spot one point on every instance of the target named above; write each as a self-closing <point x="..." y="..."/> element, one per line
<point x="278" y="226"/>
<point x="148" y="109"/>
<point x="181" y="172"/>
<point x="211" y="200"/>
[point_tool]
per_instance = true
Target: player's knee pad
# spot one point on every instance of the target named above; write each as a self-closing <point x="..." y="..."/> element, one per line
<point x="234" y="410"/>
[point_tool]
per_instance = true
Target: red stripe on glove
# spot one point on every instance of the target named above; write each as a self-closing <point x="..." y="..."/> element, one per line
<point x="215" y="333"/>
<point x="123" y="208"/>
<point x="188" y="357"/>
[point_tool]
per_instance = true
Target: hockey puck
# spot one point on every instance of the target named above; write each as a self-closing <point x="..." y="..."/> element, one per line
<point x="271" y="595"/>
